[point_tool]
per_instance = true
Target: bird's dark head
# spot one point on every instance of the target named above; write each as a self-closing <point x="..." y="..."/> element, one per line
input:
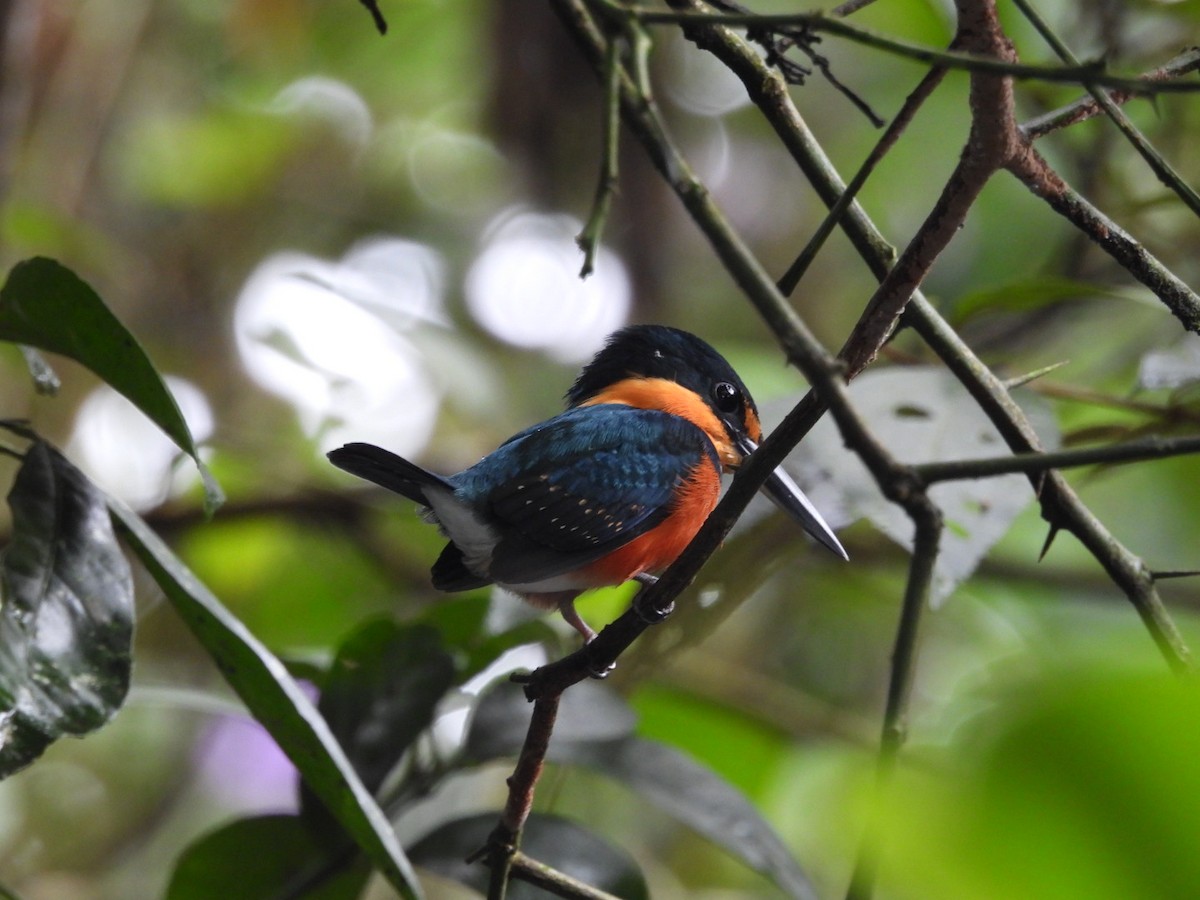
<point x="654" y="366"/>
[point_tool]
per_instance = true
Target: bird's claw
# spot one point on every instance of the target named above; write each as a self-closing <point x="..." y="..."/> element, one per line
<point x="651" y="615"/>
<point x="599" y="673"/>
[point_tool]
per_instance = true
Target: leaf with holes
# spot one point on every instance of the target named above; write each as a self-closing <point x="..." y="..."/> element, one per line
<point x="67" y="618"/>
<point x="920" y="414"/>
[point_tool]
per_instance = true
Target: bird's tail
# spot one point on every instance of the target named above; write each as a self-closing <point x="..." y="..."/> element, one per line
<point x="388" y="470"/>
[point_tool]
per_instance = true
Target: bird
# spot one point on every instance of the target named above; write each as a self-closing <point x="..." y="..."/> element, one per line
<point x="612" y="489"/>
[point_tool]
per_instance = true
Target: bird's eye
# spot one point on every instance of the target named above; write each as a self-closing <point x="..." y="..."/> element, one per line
<point x="726" y="397"/>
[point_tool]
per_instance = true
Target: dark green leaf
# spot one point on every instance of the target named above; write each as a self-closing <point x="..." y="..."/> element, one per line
<point x="462" y="621"/>
<point x="1030" y="294"/>
<point x="922" y="414"/>
<point x="268" y="856"/>
<point x="275" y="700"/>
<point x="45" y="305"/>
<point x="557" y="842"/>
<point x="595" y="729"/>
<point x="587" y="713"/>
<point x="697" y="797"/>
<point x="67" y="618"/>
<point x="382" y="691"/>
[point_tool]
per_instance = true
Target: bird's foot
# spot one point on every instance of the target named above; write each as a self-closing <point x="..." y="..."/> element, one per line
<point x="651" y="615"/>
<point x="600" y="672"/>
<point x="567" y="609"/>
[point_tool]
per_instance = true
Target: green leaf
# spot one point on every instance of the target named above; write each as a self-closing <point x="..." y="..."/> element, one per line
<point x="555" y="841"/>
<point x="267" y="856"/>
<point x="382" y="691"/>
<point x="66" y="623"/>
<point x="275" y="700"/>
<point x="45" y="305"/>
<point x="1080" y="783"/>
<point x="1029" y="294"/>
<point x="700" y="799"/>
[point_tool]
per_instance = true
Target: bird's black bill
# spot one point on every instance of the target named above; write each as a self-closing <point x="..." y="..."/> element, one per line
<point x="786" y="494"/>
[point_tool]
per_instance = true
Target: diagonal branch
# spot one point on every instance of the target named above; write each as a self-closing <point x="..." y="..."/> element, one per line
<point x="1061" y="506"/>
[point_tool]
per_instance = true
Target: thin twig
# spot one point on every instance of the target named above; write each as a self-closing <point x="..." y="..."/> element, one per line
<point x="1087" y="107"/>
<point x="1158" y="164"/>
<point x="553" y="881"/>
<point x="376" y="15"/>
<point x="895" y="725"/>
<point x="1127" y="451"/>
<point x="1090" y="73"/>
<point x="912" y="103"/>
<point x="589" y="239"/>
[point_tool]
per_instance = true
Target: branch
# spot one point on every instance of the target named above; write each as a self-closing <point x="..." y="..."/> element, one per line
<point x="1037" y="175"/>
<point x="500" y="850"/>
<point x="766" y="90"/>
<point x="1158" y="164"/>
<point x="895" y="719"/>
<point x="1061" y="506"/>
<point x="1087" y="107"/>
<point x="1128" y="451"/>
<point x="1090" y="73"/>
<point x="376" y="15"/>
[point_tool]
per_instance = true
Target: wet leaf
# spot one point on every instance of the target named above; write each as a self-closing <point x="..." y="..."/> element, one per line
<point x="380" y="694"/>
<point x="45" y="305"/>
<point x="1172" y="367"/>
<point x="921" y="414"/>
<point x="275" y="700"/>
<point x="382" y="691"/>
<point x="560" y="843"/>
<point x="67" y="617"/>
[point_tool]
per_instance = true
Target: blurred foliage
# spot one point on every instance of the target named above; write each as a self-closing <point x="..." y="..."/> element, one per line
<point x="163" y="151"/>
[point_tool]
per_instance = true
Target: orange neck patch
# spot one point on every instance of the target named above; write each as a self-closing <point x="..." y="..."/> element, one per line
<point x="673" y="398"/>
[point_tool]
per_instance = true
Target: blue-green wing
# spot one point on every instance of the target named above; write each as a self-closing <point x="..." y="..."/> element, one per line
<point x="569" y="491"/>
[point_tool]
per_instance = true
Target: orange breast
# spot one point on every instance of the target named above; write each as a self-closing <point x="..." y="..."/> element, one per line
<point x="658" y="548"/>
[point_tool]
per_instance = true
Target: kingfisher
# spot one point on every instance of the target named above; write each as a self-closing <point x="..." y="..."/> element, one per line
<point x="610" y="490"/>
